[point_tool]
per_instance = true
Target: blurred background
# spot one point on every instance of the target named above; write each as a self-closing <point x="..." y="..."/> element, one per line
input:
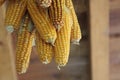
<point x="114" y="39"/>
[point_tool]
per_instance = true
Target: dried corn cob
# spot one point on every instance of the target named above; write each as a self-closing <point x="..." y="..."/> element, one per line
<point x="62" y="44"/>
<point x="16" y="13"/>
<point x="1" y="2"/>
<point x="56" y="13"/>
<point x="44" y="3"/>
<point x="75" y="35"/>
<point x="45" y="50"/>
<point x="24" y="47"/>
<point x="42" y="23"/>
<point x="75" y="31"/>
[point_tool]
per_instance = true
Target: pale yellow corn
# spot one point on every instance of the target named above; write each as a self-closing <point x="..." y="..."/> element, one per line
<point x="15" y="13"/>
<point x="56" y="13"/>
<point x="44" y="3"/>
<point x="62" y="44"/>
<point x="24" y="47"/>
<point x="42" y="23"/>
<point x="1" y="2"/>
<point x="45" y="50"/>
<point x="75" y="31"/>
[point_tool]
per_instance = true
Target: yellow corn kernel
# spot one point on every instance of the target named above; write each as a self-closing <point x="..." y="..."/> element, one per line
<point x="15" y="13"/>
<point x="1" y="2"/>
<point x="44" y="3"/>
<point x="62" y="44"/>
<point x="75" y="31"/>
<point x="24" y="47"/>
<point x="56" y="13"/>
<point x="45" y="50"/>
<point x="42" y="23"/>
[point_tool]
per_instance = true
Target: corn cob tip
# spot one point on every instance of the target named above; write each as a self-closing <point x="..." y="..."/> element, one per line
<point x="76" y="42"/>
<point x="59" y="66"/>
<point x="58" y="28"/>
<point x="10" y="29"/>
<point x="22" y="72"/>
<point x="46" y="61"/>
<point x="58" y="25"/>
<point x="33" y="42"/>
<point x="51" y="41"/>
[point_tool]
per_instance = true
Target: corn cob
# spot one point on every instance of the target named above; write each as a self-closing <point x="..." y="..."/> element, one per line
<point x="75" y="31"/>
<point x="44" y="3"/>
<point x="45" y="50"/>
<point x="15" y="13"/>
<point x="42" y="23"/>
<point x="1" y="2"/>
<point x="62" y="44"/>
<point x="24" y="47"/>
<point x="56" y="13"/>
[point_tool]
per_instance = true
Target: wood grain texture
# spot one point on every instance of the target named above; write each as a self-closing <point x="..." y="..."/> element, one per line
<point x="114" y="4"/>
<point x="99" y="33"/>
<point x="115" y="58"/>
<point x="114" y="39"/>
<point x="7" y="66"/>
<point x="114" y="17"/>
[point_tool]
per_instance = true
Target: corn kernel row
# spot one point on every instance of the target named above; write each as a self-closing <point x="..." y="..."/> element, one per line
<point x="56" y="13"/>
<point x="42" y="23"/>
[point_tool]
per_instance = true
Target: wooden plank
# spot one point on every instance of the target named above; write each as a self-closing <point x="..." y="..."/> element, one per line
<point x="114" y="4"/>
<point x="115" y="21"/>
<point x="99" y="30"/>
<point x="114" y="58"/>
<point x="7" y="67"/>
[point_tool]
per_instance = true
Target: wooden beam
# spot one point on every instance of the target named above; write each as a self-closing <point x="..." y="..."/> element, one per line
<point x="7" y="66"/>
<point x="99" y="39"/>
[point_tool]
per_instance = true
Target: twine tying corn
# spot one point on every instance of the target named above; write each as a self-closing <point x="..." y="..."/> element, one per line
<point x="48" y="24"/>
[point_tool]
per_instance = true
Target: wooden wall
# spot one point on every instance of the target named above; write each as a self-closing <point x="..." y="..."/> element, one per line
<point x="114" y="39"/>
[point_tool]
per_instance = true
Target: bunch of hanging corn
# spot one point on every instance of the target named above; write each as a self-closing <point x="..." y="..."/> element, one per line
<point x="50" y="24"/>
